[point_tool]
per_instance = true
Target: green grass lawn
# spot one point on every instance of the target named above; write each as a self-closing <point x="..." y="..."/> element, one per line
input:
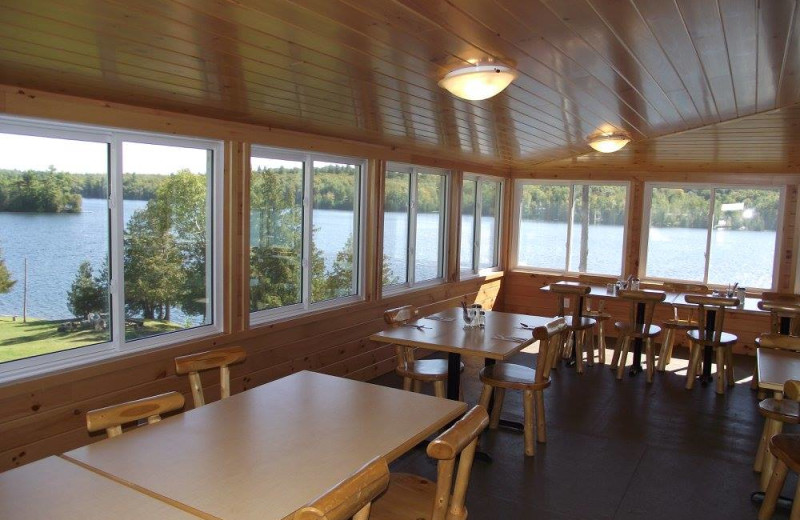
<point x="20" y="340"/>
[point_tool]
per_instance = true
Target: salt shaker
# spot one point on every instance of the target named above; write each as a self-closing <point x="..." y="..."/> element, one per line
<point x="482" y="319"/>
<point x="741" y="293"/>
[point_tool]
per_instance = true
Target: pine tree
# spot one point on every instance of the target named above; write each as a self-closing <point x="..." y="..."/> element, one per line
<point x="6" y="283"/>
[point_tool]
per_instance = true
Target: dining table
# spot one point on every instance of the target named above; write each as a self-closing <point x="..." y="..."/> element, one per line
<point x="604" y="292"/>
<point x="53" y="488"/>
<point x="503" y="335"/>
<point x="266" y="452"/>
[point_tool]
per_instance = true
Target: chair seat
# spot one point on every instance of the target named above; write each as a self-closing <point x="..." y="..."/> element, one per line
<point x="679" y="324"/>
<point x="786" y="447"/>
<point x="510" y="375"/>
<point x="426" y="370"/>
<point x="701" y="337"/>
<point x="583" y="323"/>
<point x="408" y="497"/>
<point x="637" y="331"/>
<point x="783" y="410"/>
<point x="597" y="315"/>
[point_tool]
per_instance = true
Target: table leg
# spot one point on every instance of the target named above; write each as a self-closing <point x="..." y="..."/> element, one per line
<point x="708" y="352"/>
<point x="785" y="325"/>
<point x="453" y="376"/>
<point x="637" y="343"/>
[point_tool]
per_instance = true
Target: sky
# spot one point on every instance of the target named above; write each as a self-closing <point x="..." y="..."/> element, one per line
<point x="20" y="152"/>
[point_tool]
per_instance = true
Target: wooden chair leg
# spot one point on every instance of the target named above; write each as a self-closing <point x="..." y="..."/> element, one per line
<point x="758" y="464"/>
<point x="623" y="356"/>
<point x="601" y="343"/>
<point x="568" y="345"/>
<point x="486" y="396"/>
<point x="651" y="358"/>
<point x="499" y="394"/>
<point x="418" y="386"/>
<point x="615" y="355"/>
<point x="720" y="382"/>
<point x="691" y="370"/>
<point x="407" y="384"/>
<point x="579" y="343"/>
<point x="729" y="373"/>
<point x="773" y="490"/>
<point x="666" y="346"/>
<point x="795" y="514"/>
<point x="541" y="425"/>
<point x="775" y="427"/>
<point x="529" y="418"/>
<point x="439" y="389"/>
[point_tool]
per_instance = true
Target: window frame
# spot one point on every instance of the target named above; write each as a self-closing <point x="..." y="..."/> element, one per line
<point x="118" y="346"/>
<point x="307" y="158"/>
<point x="645" y="233"/>
<point x="476" y="269"/>
<point x="516" y="225"/>
<point x="411" y="283"/>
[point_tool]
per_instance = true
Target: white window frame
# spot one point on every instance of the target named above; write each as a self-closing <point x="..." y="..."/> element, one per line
<point x="359" y="222"/>
<point x="648" y="200"/>
<point x="479" y="179"/>
<point x="41" y="364"/>
<point x="517" y="223"/>
<point x="444" y="226"/>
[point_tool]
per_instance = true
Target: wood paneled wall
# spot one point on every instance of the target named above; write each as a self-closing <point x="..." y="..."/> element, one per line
<point x="46" y="415"/>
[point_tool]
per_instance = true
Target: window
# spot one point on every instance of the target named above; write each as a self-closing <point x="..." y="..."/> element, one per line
<point x="571" y="227"/>
<point x="699" y="233"/>
<point x="414" y="220"/>
<point x="480" y="238"/>
<point x="305" y="230"/>
<point x="107" y="240"/>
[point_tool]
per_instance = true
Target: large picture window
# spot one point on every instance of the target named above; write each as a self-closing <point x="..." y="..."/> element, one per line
<point x="414" y="223"/>
<point x="710" y="234"/>
<point x="106" y="240"/>
<point x="305" y="229"/>
<point x="571" y="227"/>
<point x="480" y="223"/>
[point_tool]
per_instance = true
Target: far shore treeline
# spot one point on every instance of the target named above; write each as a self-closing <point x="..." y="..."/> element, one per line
<point x="60" y="192"/>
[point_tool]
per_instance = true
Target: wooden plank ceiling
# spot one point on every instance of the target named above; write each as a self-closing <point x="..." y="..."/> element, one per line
<point x="368" y="69"/>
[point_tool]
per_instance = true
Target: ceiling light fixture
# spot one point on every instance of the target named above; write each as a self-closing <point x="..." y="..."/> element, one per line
<point x="609" y="142"/>
<point x="478" y="81"/>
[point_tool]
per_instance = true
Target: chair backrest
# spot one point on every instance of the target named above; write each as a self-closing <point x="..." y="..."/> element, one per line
<point x="715" y="303"/>
<point x="779" y="341"/>
<point x="193" y="364"/>
<point x="352" y="498"/>
<point x="400" y="315"/>
<point x="782" y="306"/>
<point x="549" y="336"/>
<point x="111" y="418"/>
<point x="461" y="438"/>
<point x="791" y="389"/>
<point x="648" y="298"/>
<point x="573" y="291"/>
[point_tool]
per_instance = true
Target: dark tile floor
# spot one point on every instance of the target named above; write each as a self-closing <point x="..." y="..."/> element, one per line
<point x="618" y="449"/>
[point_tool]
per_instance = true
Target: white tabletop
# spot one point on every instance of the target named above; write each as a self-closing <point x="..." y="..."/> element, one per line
<point x="775" y="367"/>
<point x="503" y="335"/>
<point x="266" y="452"/>
<point x="53" y="488"/>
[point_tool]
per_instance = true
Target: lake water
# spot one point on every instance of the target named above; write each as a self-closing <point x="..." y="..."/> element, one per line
<point x="56" y="244"/>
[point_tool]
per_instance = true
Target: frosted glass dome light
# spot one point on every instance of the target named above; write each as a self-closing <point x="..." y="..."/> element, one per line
<point x="477" y="82"/>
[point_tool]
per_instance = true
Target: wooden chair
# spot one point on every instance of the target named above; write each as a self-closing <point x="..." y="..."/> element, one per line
<point x="576" y="323"/>
<point x="411" y="497"/>
<point x="531" y="381"/>
<point x="352" y="498"/>
<point x="782" y="307"/>
<point x="671" y="327"/>
<point x="776" y="412"/>
<point x="786" y="448"/>
<point x="416" y="371"/>
<point x="193" y="364"/>
<point x="111" y="418"/>
<point x="599" y="315"/>
<point x="721" y="342"/>
<point x="633" y="329"/>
